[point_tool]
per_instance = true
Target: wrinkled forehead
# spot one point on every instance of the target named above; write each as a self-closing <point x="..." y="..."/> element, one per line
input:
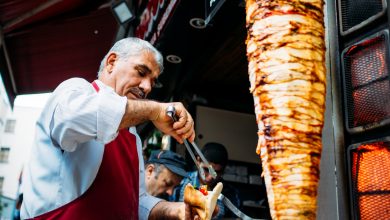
<point x="145" y="60"/>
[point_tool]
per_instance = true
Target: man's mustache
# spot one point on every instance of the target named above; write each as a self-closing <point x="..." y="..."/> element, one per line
<point x="138" y="92"/>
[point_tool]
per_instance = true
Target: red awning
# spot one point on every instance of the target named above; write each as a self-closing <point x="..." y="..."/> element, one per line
<point x="50" y="41"/>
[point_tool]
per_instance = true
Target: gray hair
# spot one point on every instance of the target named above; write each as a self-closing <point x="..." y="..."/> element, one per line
<point x="158" y="168"/>
<point x="132" y="46"/>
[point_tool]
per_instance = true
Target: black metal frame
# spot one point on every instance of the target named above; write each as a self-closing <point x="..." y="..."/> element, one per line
<point x="362" y="24"/>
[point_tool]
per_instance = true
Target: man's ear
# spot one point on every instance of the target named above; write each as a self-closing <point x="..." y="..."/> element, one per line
<point x="110" y="61"/>
<point x="149" y="170"/>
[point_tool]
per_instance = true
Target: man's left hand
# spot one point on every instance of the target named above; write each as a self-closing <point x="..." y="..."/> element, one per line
<point x="182" y="129"/>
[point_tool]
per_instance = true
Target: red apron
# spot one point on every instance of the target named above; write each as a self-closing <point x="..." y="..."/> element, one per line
<point x="114" y="192"/>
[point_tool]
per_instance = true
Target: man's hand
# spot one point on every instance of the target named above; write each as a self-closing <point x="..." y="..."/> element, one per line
<point x="182" y="129"/>
<point x="139" y="111"/>
<point x="168" y="210"/>
<point x="173" y="210"/>
<point x="190" y="213"/>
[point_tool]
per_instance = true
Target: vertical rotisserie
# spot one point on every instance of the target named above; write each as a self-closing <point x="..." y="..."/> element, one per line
<point x="286" y="55"/>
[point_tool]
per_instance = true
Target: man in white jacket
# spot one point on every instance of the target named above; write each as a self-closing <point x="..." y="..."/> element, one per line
<point x="86" y="161"/>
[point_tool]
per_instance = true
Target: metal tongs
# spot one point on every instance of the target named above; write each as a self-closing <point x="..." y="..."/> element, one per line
<point x="171" y="112"/>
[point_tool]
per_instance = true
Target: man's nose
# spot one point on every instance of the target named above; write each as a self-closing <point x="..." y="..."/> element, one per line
<point x="146" y="85"/>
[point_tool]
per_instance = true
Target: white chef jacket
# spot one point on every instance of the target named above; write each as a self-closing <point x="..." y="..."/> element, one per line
<point x="71" y="133"/>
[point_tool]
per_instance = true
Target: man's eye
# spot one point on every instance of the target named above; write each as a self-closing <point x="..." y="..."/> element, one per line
<point x="141" y="73"/>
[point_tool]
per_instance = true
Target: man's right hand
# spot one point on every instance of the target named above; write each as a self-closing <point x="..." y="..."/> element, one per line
<point x="190" y="214"/>
<point x="173" y="210"/>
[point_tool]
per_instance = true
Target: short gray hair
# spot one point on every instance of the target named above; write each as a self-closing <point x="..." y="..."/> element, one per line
<point x="158" y="168"/>
<point x="132" y="46"/>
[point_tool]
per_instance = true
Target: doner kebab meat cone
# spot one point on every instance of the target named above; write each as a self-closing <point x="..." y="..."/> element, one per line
<point x="286" y="55"/>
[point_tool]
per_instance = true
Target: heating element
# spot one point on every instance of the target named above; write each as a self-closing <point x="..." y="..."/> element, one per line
<point x="369" y="169"/>
<point x="366" y="83"/>
<point x="364" y="69"/>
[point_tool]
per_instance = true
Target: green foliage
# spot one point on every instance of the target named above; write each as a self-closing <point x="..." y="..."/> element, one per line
<point x="153" y="142"/>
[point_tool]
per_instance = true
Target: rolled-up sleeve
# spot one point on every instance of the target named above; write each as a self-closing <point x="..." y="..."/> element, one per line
<point x="82" y="114"/>
<point x="146" y="204"/>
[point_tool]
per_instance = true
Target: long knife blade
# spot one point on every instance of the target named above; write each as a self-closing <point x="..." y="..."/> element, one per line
<point x="234" y="209"/>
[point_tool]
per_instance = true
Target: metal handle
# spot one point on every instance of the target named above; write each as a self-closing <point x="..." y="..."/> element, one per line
<point x="205" y="161"/>
<point x="171" y="112"/>
<point x="201" y="170"/>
